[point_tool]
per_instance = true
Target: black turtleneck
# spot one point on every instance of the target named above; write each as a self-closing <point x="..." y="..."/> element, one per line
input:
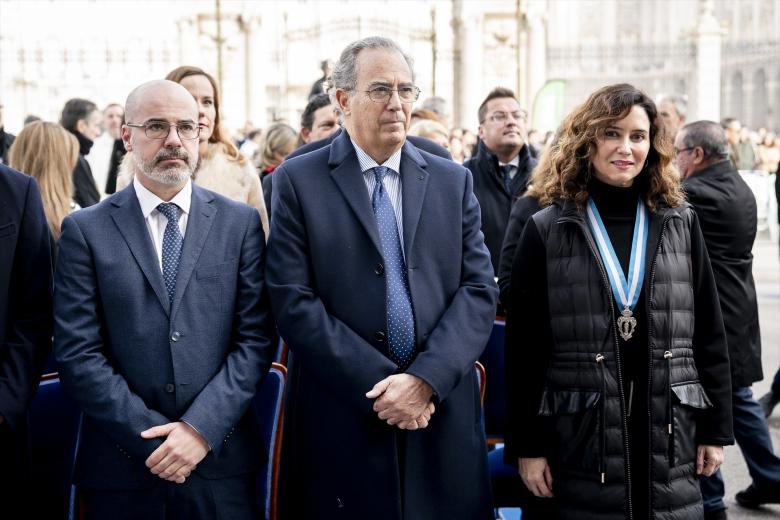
<point x="85" y="144"/>
<point x="617" y="207"/>
<point x="86" y="192"/>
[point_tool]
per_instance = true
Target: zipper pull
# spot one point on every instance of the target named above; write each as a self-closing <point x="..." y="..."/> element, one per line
<point x="603" y="477"/>
<point x="600" y="357"/>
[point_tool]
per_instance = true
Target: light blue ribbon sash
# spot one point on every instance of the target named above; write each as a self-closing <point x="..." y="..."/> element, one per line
<point x="626" y="291"/>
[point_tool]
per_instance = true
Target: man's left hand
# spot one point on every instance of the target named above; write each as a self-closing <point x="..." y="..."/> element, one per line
<point x="181" y="452"/>
<point x="402" y="400"/>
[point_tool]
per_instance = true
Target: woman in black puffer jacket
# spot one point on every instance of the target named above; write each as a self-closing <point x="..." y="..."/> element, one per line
<point x="618" y="375"/>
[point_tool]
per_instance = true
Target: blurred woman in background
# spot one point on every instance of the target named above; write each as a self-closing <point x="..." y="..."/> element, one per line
<point x="48" y="152"/>
<point x="279" y="140"/>
<point x="432" y="130"/>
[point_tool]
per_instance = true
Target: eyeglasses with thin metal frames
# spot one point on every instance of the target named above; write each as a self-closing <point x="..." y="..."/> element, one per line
<point x="501" y="117"/>
<point x="382" y="94"/>
<point x="161" y="129"/>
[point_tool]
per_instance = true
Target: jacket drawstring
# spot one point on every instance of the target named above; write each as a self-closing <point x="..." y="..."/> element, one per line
<point x="669" y="414"/>
<point x="602" y="417"/>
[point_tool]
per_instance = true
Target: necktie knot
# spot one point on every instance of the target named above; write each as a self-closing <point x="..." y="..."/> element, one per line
<point x="170" y="210"/>
<point x="506" y="169"/>
<point x="379" y="173"/>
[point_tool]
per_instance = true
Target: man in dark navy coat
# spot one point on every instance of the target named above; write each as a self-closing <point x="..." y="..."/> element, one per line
<point x="25" y="325"/>
<point x="727" y="211"/>
<point x="383" y="289"/>
<point x="162" y="330"/>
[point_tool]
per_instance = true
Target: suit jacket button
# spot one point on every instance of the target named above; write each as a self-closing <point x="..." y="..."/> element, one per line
<point x="379" y="336"/>
<point x="169" y="388"/>
<point x="175" y="336"/>
<point x="379" y="270"/>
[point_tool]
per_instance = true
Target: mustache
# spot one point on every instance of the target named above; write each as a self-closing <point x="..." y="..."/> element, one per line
<point x="172" y="153"/>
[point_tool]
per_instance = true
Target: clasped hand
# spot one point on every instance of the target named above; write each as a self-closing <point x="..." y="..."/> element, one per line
<point x="403" y="400"/>
<point x="179" y="454"/>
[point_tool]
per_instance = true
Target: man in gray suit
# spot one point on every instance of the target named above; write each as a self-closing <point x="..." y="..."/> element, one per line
<point x="162" y="330"/>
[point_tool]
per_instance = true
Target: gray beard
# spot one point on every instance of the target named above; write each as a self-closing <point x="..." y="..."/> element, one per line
<point x="169" y="176"/>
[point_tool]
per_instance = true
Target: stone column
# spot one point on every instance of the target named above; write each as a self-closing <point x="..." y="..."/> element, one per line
<point x="536" y="64"/>
<point x="467" y="64"/>
<point x="254" y="68"/>
<point x="708" y="36"/>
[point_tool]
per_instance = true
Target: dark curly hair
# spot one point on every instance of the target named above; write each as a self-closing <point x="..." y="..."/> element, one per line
<point x="571" y="166"/>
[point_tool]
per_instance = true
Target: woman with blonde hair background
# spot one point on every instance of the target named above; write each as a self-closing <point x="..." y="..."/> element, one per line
<point x="618" y="378"/>
<point x="48" y="152"/>
<point x="222" y="168"/>
<point x="278" y="141"/>
<point x="432" y="130"/>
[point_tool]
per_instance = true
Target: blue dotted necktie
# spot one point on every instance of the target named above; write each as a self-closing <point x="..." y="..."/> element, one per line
<point x="400" y="320"/>
<point x="506" y="170"/>
<point x="171" y="246"/>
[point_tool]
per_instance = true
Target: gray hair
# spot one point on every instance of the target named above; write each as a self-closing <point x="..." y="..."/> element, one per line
<point x="709" y="136"/>
<point x="344" y="75"/>
<point x="680" y="105"/>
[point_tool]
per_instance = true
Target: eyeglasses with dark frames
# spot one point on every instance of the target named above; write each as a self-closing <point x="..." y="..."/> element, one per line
<point x="161" y="129"/>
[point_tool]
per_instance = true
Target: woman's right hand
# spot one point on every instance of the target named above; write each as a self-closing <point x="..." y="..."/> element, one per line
<point x="536" y="476"/>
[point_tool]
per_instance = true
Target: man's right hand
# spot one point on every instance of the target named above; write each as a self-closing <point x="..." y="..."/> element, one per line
<point x="536" y="476"/>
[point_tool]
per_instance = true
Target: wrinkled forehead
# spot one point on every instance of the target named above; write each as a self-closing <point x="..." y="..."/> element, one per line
<point x="382" y="66"/>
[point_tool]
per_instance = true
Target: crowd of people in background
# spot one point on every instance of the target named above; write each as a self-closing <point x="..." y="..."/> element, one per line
<point x="516" y="170"/>
<point x="101" y="151"/>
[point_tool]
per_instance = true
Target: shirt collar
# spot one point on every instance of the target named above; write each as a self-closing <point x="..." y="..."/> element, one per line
<point x="514" y="162"/>
<point x="366" y="162"/>
<point x="149" y="201"/>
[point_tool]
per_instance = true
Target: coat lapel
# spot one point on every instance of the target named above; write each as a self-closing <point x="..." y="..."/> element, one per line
<point x="345" y="171"/>
<point x="199" y="223"/>
<point x="414" y="182"/>
<point x="130" y="222"/>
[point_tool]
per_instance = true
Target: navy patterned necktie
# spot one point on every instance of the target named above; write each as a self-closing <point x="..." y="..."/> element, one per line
<point x="506" y="170"/>
<point x="171" y="246"/>
<point x="400" y="319"/>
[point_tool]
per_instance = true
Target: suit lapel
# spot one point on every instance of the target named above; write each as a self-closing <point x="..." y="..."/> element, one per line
<point x="130" y="221"/>
<point x="199" y="223"/>
<point x="345" y="171"/>
<point x="414" y="181"/>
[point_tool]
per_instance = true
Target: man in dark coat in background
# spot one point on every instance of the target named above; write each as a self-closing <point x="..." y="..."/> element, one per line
<point x="727" y="211"/>
<point x="83" y="119"/>
<point x="383" y="289"/>
<point x="25" y="327"/>
<point x="501" y="166"/>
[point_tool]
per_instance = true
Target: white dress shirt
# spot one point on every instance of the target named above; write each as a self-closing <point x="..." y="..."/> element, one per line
<point x="391" y="182"/>
<point x="156" y="221"/>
